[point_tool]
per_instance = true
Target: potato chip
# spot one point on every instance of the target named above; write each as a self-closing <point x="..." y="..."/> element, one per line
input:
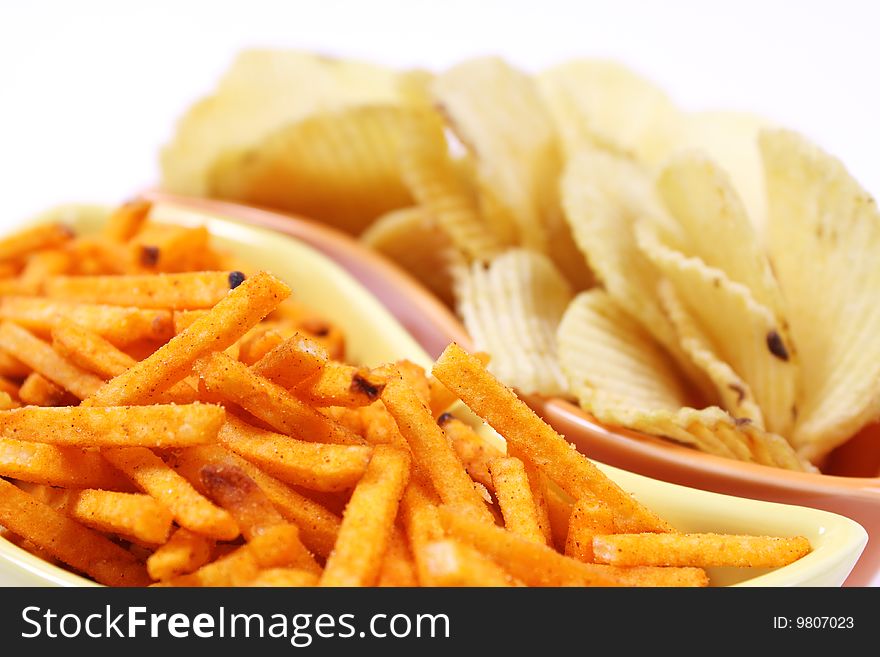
<point x="604" y="196"/>
<point x="516" y="150"/>
<point x="604" y="348"/>
<point x="341" y="167"/>
<point x="413" y="240"/>
<point x="625" y="379"/>
<point x="511" y="310"/>
<point x="262" y="92"/>
<point x="824" y="237"/>
<point x="731" y="140"/>
<point x="701" y="198"/>
<point x="603" y="104"/>
<point x="435" y="181"/>
<point x="735" y="394"/>
<point x="746" y="333"/>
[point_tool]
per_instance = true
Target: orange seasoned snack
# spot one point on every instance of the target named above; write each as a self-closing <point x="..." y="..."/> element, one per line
<point x="232" y="444"/>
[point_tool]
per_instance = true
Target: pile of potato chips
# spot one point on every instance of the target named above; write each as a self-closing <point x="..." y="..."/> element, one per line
<point x="704" y="277"/>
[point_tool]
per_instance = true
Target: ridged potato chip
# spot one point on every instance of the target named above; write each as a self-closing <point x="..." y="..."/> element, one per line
<point x="436" y="181"/>
<point x="605" y="105"/>
<point x="604" y="195"/>
<point x="623" y="378"/>
<point x="735" y="394"/>
<point x="745" y="333"/>
<point x="731" y="140"/>
<point x="262" y="92"/>
<point x="511" y="308"/>
<point x="341" y="167"/>
<point x="411" y="238"/>
<point x="516" y="150"/>
<point x="824" y="240"/>
<point x="714" y="226"/>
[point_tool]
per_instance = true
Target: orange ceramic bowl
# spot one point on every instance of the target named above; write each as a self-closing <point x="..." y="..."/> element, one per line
<point x="850" y="488"/>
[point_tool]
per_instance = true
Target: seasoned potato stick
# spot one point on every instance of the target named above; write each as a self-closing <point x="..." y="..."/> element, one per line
<point x="11" y="367"/>
<point x="431" y="451"/>
<point x="474" y="452"/>
<point x="318" y="526"/>
<point x="40" y="267"/>
<point x="68" y="467"/>
<point x="368" y="521"/>
<point x="190" y="509"/>
<point x="414" y="376"/>
<point x="292" y="361"/>
<point x="539" y="565"/>
<point x="192" y="290"/>
<point x="515" y="498"/>
<point x="67" y="540"/>
<point x="152" y="426"/>
<point x="466" y="376"/>
<point x="220" y="327"/>
<point x="337" y="384"/>
<point x="589" y="517"/>
<point x="183" y="319"/>
<point x="262" y="339"/>
<point x="33" y="239"/>
<point x="309" y="323"/>
<point x="8" y="387"/>
<point x="451" y="563"/>
<point x="7" y="402"/>
<point x="126" y="220"/>
<point x="379" y="427"/>
<point x="421" y="520"/>
<point x="277" y="547"/>
<point x="162" y="248"/>
<point x="398" y="567"/>
<point x="316" y="466"/>
<point x="440" y="396"/>
<point x="286" y="577"/>
<point x="181" y="554"/>
<point x="93" y="353"/>
<point x="233" y="490"/>
<point x="269" y="402"/>
<point x="41" y="358"/>
<point x="559" y="509"/>
<point x="97" y="255"/>
<point x="350" y="418"/>
<point x="533" y="563"/>
<point x="37" y="390"/>
<point x="538" y="484"/>
<point x="700" y="550"/>
<point x="130" y="514"/>
<point x="656" y="576"/>
<point x="90" y="351"/>
<point x="120" y="325"/>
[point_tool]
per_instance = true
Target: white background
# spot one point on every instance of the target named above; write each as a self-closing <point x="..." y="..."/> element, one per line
<point x="89" y="91"/>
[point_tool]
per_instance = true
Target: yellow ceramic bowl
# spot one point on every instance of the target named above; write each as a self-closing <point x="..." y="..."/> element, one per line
<point x="374" y="336"/>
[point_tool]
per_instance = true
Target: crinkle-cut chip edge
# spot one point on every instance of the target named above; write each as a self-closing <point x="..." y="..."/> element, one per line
<point x="766" y="359"/>
<point x="735" y="394"/>
<point x="764" y="448"/>
<point x="602" y="346"/>
<point x="812" y="200"/>
<point x="495" y="302"/>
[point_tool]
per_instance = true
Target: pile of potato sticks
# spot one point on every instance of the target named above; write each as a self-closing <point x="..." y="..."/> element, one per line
<point x="171" y="420"/>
